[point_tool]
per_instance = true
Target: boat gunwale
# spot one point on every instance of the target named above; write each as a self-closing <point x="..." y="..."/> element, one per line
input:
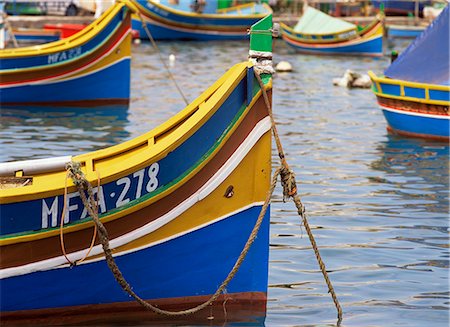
<point x="427" y="87"/>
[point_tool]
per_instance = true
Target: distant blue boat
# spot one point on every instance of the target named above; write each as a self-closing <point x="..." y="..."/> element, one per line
<point x="404" y="31"/>
<point x="182" y="21"/>
<point x="415" y="92"/>
<point x="402" y="7"/>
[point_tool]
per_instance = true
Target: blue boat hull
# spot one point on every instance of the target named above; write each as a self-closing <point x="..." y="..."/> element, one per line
<point x="190" y="265"/>
<point x="404" y="33"/>
<point x="373" y="47"/>
<point x="417" y="125"/>
<point x="107" y="87"/>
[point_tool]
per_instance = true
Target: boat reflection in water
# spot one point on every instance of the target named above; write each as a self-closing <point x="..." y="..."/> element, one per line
<point x="414" y="170"/>
<point x="57" y="131"/>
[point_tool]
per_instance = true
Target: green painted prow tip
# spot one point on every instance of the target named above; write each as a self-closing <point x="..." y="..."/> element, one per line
<point x="260" y="53"/>
<point x="261" y="35"/>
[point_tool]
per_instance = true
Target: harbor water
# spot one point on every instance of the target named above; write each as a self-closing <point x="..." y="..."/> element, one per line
<point x="378" y="204"/>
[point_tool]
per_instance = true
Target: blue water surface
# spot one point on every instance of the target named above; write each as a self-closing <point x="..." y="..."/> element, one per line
<point x="378" y="204"/>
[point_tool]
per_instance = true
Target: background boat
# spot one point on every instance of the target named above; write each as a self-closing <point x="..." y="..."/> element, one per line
<point x="64" y="72"/>
<point x="401" y="7"/>
<point x="181" y="21"/>
<point x="179" y="204"/>
<point x="404" y="31"/>
<point x="319" y="33"/>
<point x="415" y="92"/>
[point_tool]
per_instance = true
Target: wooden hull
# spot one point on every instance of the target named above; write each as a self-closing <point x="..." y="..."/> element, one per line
<point x="414" y="109"/>
<point x="248" y="307"/>
<point x="368" y="44"/>
<point x="62" y="73"/>
<point x="175" y="227"/>
<point x="165" y="23"/>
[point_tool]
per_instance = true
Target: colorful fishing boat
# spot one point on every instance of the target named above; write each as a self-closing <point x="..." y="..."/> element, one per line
<point x="179" y="204"/>
<point x="414" y="94"/>
<point x="319" y="33"/>
<point x="181" y="21"/>
<point x="65" y="72"/>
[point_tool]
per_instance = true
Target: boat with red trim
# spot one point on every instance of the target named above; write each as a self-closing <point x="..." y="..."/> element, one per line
<point x="414" y="92"/>
<point x="63" y="73"/>
<point x="319" y="33"/>
<point x="181" y="21"/>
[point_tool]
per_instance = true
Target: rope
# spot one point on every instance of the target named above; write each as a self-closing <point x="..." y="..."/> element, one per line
<point x="61" y="223"/>
<point x="83" y="185"/>
<point x="144" y="26"/>
<point x="290" y="191"/>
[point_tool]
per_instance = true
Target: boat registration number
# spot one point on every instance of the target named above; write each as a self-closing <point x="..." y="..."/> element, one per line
<point x="110" y="196"/>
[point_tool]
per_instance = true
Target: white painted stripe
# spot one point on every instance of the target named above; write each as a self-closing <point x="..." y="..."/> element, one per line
<point x="260" y="129"/>
<point x="424" y="115"/>
<point x="60" y="78"/>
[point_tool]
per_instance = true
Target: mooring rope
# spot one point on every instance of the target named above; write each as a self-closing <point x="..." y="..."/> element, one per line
<point x="290" y="191"/>
<point x="61" y="223"/>
<point x="152" y="40"/>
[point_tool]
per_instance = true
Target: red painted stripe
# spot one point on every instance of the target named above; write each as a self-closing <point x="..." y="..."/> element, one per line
<point x="417" y="110"/>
